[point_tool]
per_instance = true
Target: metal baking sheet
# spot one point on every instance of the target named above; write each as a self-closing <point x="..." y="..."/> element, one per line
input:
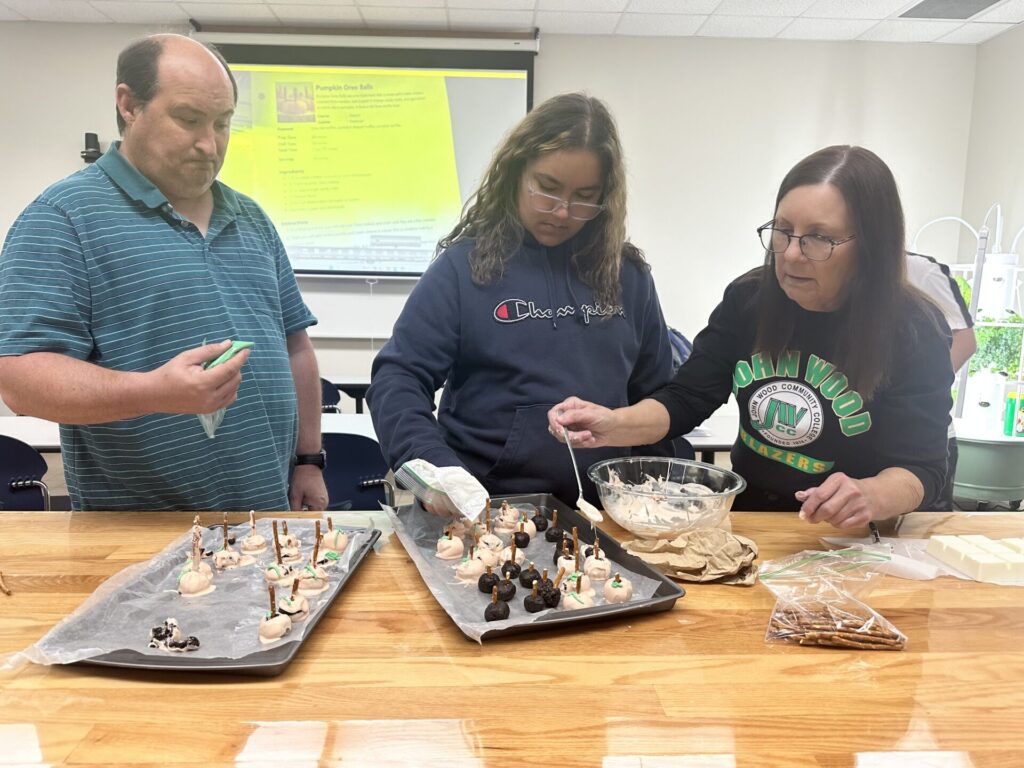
<point x="269" y="662"/>
<point x="452" y="596"/>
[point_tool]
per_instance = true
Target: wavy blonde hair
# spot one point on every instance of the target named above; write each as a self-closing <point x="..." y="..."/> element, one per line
<point x="570" y="121"/>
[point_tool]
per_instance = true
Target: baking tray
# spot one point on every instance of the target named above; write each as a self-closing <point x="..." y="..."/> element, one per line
<point x="268" y="663"/>
<point x="663" y="599"/>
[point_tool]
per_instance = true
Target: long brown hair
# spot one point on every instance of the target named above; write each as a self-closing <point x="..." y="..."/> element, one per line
<point x="878" y="293"/>
<point x="571" y="121"/>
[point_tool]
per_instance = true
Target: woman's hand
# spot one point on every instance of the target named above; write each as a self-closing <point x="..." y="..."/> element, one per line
<point x="588" y="423"/>
<point x="840" y="501"/>
<point x="846" y="502"/>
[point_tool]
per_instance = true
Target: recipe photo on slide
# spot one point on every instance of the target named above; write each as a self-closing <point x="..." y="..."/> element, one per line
<point x="356" y="167"/>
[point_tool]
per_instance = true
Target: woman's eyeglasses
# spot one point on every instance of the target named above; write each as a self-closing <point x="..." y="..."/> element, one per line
<point x="543" y="203"/>
<point x="814" y="247"/>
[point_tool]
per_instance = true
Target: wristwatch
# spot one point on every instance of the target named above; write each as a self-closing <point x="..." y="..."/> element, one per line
<point x="316" y="459"/>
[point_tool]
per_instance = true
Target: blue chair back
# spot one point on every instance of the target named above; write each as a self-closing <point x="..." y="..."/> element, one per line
<point x="21" y="477"/>
<point x="355" y="473"/>
<point x="681" y="348"/>
<point x="330" y="397"/>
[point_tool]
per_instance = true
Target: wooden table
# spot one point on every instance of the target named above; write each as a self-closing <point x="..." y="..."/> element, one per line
<point x="386" y="679"/>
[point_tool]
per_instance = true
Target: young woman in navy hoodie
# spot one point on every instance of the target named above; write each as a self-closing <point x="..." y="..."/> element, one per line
<point x="534" y="294"/>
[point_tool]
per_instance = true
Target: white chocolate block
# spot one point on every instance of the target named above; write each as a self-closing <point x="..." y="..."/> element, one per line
<point x="1015" y="544"/>
<point x="979" y="557"/>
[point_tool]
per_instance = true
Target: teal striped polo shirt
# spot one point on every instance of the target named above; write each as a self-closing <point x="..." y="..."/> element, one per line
<point x="100" y="268"/>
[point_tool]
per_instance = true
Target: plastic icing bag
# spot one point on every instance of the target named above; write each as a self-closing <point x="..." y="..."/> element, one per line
<point x="211" y="421"/>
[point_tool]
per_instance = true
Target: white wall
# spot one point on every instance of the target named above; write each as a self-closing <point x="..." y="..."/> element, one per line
<point x="709" y="127"/>
<point x="995" y="161"/>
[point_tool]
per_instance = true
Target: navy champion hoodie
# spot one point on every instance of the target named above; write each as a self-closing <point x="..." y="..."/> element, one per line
<point x="505" y="353"/>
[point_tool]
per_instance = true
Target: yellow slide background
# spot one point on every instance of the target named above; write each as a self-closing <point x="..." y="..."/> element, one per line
<point x="340" y="155"/>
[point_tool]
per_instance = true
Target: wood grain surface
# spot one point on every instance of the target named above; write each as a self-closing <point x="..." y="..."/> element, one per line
<point x="387" y="680"/>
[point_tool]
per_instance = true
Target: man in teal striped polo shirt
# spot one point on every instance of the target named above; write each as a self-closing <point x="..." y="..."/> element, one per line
<point x="113" y="281"/>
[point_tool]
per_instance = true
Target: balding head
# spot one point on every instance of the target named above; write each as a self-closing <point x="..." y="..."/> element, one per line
<point x="138" y="65"/>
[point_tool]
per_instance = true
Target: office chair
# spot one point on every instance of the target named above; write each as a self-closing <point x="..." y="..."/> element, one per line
<point x="21" y="477"/>
<point x="330" y="397"/>
<point x="355" y="472"/>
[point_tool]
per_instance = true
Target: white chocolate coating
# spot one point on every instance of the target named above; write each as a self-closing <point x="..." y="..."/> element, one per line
<point x="334" y="541"/>
<point x="506" y="555"/>
<point x="291" y="555"/>
<point x="491" y="542"/>
<point x="201" y="566"/>
<point x="573" y="601"/>
<point x="279" y="575"/>
<point x="598" y="569"/>
<point x="226" y="559"/>
<point x="486" y="556"/>
<point x="296" y="608"/>
<point x="449" y="548"/>
<point x="288" y="540"/>
<point x="274" y="628"/>
<point x="312" y="581"/>
<point x="528" y="527"/>
<point x="620" y="591"/>
<point x="469" y="571"/>
<point x="253" y="544"/>
<point x="568" y="585"/>
<point x="194" y="583"/>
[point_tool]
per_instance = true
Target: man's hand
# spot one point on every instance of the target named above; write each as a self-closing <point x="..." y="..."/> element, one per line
<point x="308" y="489"/>
<point x="182" y="385"/>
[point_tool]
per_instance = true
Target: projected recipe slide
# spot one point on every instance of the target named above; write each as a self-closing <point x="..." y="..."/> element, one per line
<point x="362" y="170"/>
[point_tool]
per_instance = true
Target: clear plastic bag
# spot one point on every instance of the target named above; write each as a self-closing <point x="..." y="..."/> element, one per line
<point x="820" y="601"/>
<point x="211" y="421"/>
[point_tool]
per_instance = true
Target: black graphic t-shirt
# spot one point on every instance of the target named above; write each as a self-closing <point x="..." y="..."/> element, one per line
<point x="800" y="418"/>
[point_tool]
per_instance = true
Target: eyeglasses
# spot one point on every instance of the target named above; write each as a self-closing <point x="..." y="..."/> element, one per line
<point x="814" y="247"/>
<point x="543" y="203"/>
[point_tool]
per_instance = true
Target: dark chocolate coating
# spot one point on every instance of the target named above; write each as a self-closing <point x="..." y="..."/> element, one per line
<point x="527" y="577"/>
<point x="496" y="611"/>
<point x="540" y="522"/>
<point x="486" y="582"/>
<point x="511" y="569"/>
<point x="534" y="604"/>
<point x="551" y="596"/>
<point x="506" y="590"/>
<point x="522" y="539"/>
<point x="553" y="534"/>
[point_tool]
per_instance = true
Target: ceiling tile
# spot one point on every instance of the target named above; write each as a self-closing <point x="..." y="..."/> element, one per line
<point x="56" y="10"/>
<point x="220" y="2"/>
<point x="1012" y="12"/>
<point x="576" y="23"/>
<point x="826" y="29"/>
<point x="7" y="14"/>
<point x="345" y="3"/>
<point x="402" y="3"/>
<point x="742" y="26"/>
<point x="684" y="7"/>
<point x="494" y="5"/>
<point x="856" y="9"/>
<point x="228" y="13"/>
<point x="974" y="32"/>
<point x="134" y="12"/>
<point x="909" y="31"/>
<point x="659" y="24"/>
<point x="587" y="6"/>
<point x="318" y="14"/>
<point x="762" y="7"/>
<point x="470" y="19"/>
<point x="406" y="17"/>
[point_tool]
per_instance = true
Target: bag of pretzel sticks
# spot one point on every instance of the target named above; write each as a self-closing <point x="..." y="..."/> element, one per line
<point x="820" y="601"/>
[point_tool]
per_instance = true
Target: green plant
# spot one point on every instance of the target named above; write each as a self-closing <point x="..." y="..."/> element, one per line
<point x="998" y="347"/>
